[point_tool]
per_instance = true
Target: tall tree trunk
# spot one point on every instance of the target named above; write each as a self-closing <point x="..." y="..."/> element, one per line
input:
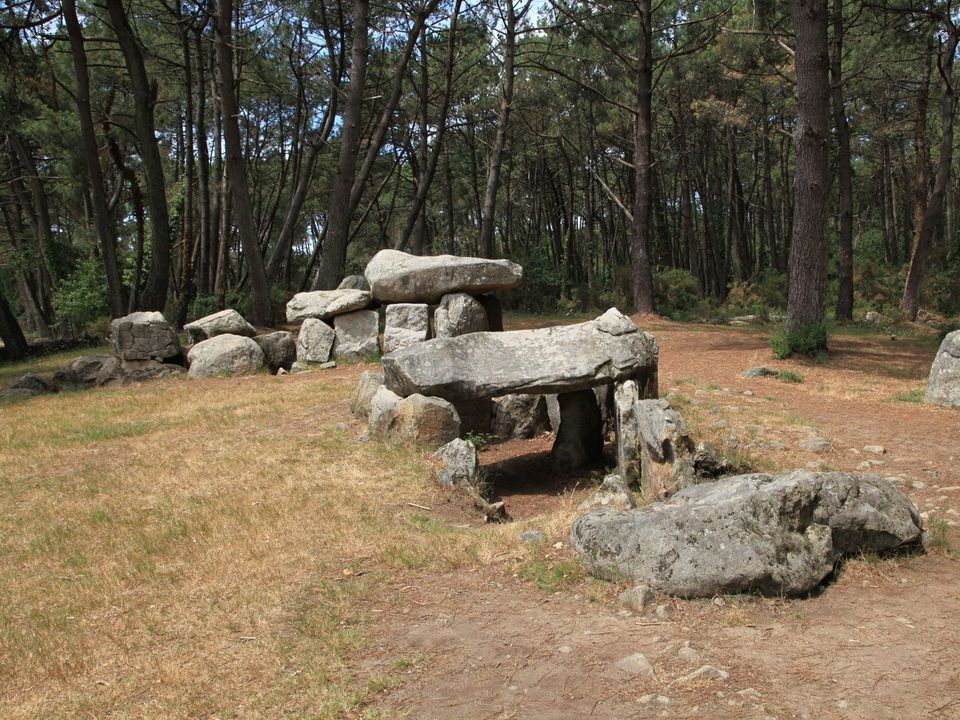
<point x="488" y="213"/>
<point x="106" y="233"/>
<point x="933" y="216"/>
<point x="808" y="249"/>
<point x="844" y="170"/>
<point x="203" y="170"/>
<point x="337" y="233"/>
<point x="154" y="295"/>
<point x="738" y="230"/>
<point x="642" y="158"/>
<point x="261" y="313"/>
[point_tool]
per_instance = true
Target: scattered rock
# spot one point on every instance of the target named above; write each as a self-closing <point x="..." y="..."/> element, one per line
<point x="81" y="372"/>
<point x="874" y="317"/>
<point x="545" y="360"/>
<point x="760" y="371"/>
<point x="34" y="383"/>
<point x="746" y="320"/>
<point x="520" y="416"/>
<point x="749" y="692"/>
<point x="663" y="612"/>
<point x="356" y="335"/>
<point x="458" y="463"/>
<point x="279" y="349"/>
<point x="405" y="324"/>
<point x="323" y="304"/>
<point x="144" y="336"/>
<point x="639" y="598"/>
<point x="875" y="449"/>
<point x="315" y="341"/>
<point x="225" y="322"/>
<point x="636" y="664"/>
<point x="707" y="672"/>
<point x="368" y="384"/>
<point x="398" y="277"/>
<point x="459" y="314"/>
<point x="688" y="655"/>
<point x="225" y="355"/>
<point x="943" y="386"/>
<point x="774" y="534"/>
<point x="612" y="493"/>
<point x="328" y="365"/>
<point x="534" y="537"/>
<point x="817" y="444"/>
<point x="125" y="372"/>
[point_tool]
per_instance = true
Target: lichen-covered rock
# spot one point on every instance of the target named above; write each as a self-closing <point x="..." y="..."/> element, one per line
<point x="323" y="304"/>
<point x="279" y="349"/>
<point x="34" y="383"/>
<point x="546" y="360"/>
<point x="405" y="324"/>
<point x="315" y="341"/>
<point x="82" y="372"/>
<point x="144" y="336"/>
<point x="457" y="463"/>
<point x="943" y="386"/>
<point x="368" y="384"/>
<point x="225" y="322"/>
<point x="225" y="355"/>
<point x="520" y="416"/>
<point x="417" y="419"/>
<point x="459" y="314"/>
<point x="395" y="276"/>
<point x="357" y="335"/>
<point x="382" y="415"/>
<point x="774" y="534"/>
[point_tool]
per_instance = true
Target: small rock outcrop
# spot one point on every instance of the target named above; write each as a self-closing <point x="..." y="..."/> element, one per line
<point x="356" y="335"/>
<point x="395" y="276"/>
<point x="279" y="349"/>
<point x="81" y="372"/>
<point x="774" y="534"/>
<point x="555" y="359"/>
<point x="144" y="336"/>
<point x="225" y="355"/>
<point x="315" y="341"/>
<point x="225" y="322"/>
<point x="323" y="304"/>
<point x="943" y="386"/>
<point x="459" y="314"/>
<point x="405" y="324"/>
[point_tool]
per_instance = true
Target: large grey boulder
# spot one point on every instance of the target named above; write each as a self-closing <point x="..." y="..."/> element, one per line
<point x="546" y="360"/>
<point x="370" y="381"/>
<point x="459" y="314"/>
<point x="357" y="335"/>
<point x="144" y="336"/>
<point x="323" y="304"/>
<point x="943" y="387"/>
<point x="520" y="416"/>
<point x="82" y="372"/>
<point x="405" y="324"/>
<point x="279" y="349"/>
<point x="395" y="276"/>
<point x="315" y="341"/>
<point x="774" y="534"/>
<point x="417" y="419"/>
<point x="225" y="322"/>
<point x="225" y="355"/>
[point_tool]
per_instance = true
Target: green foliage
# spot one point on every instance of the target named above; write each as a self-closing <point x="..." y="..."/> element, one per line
<point x="479" y="439"/>
<point x="939" y="538"/>
<point x="676" y="293"/>
<point x="810" y="341"/>
<point x="765" y="291"/>
<point x="910" y="396"/>
<point x="83" y="298"/>
<point x="551" y="576"/>
<point x="788" y="376"/>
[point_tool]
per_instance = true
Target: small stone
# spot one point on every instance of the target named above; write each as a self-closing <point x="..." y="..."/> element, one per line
<point x="748" y="393"/>
<point x="719" y="601"/>
<point x="565" y="649"/>
<point x="875" y="449"/>
<point x="637" y="598"/>
<point x="749" y="692"/>
<point x="636" y="664"/>
<point x="281" y="371"/>
<point x="645" y="699"/>
<point x="329" y="365"/>
<point x="688" y="654"/>
<point x="817" y="444"/>
<point x="662" y="700"/>
<point x="759" y="372"/>
<point x="533" y="537"/>
<point x="707" y="672"/>
<point x="663" y="612"/>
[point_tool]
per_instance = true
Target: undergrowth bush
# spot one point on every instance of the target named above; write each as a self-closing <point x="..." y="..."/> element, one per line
<point x="810" y="340"/>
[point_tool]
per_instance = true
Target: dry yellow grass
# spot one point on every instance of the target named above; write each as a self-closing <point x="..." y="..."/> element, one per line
<point x="188" y="549"/>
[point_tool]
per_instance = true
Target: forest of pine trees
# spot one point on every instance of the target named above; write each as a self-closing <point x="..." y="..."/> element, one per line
<point x="675" y="157"/>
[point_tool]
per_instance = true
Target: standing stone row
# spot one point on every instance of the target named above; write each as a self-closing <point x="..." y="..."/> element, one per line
<point x="401" y="300"/>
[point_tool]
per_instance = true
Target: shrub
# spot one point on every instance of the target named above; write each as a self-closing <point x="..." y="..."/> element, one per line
<point x="810" y="340"/>
<point x="676" y="293"/>
<point x="83" y="298"/>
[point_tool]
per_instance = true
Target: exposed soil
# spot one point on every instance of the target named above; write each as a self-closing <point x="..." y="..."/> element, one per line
<point x="881" y="641"/>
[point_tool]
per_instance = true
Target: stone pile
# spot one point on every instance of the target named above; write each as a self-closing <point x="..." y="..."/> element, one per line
<point x="401" y="300"/>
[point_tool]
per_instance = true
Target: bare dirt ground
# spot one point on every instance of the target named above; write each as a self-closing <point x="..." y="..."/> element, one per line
<point x="881" y="641"/>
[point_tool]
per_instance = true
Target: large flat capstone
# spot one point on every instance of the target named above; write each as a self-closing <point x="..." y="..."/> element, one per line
<point x="774" y="534"/>
<point x="546" y="360"/>
<point x="395" y="276"/>
<point x="323" y="304"/>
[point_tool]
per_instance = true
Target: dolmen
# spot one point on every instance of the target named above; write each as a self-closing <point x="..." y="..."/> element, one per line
<point x="400" y="300"/>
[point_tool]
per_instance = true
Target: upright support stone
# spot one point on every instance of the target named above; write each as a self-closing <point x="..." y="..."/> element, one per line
<point x="625" y="397"/>
<point x="459" y="314"/>
<point x="406" y="324"/>
<point x="356" y="335"/>
<point x="580" y="440"/>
